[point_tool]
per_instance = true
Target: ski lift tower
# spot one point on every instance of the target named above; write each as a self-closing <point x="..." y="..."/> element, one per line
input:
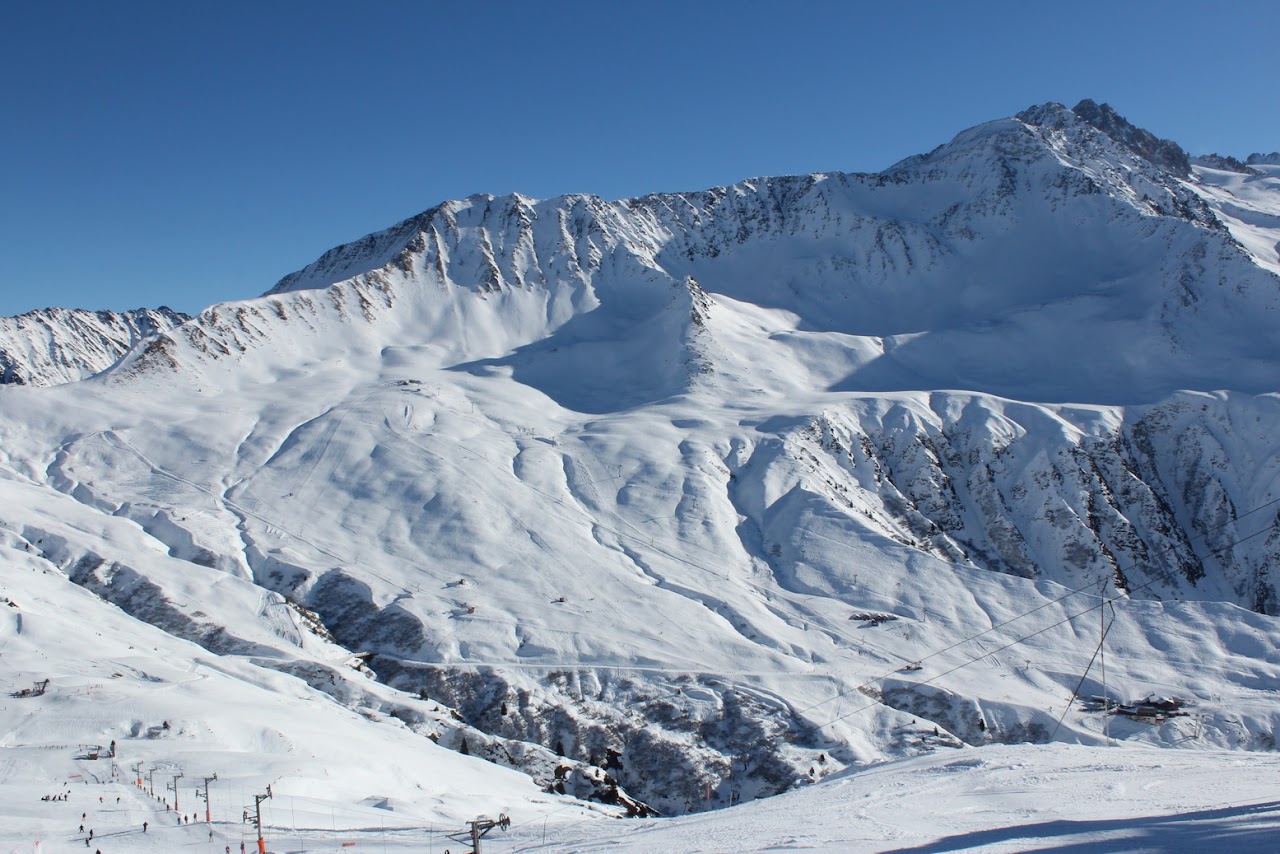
<point x="208" y="816"/>
<point x="174" y="787"/>
<point x="256" y="818"/>
<point x="478" y="828"/>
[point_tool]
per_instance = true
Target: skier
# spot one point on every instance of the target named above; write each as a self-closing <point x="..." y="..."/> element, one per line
<point x="144" y="827"/>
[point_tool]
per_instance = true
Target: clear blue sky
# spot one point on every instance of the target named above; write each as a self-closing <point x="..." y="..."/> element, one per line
<point x="184" y="153"/>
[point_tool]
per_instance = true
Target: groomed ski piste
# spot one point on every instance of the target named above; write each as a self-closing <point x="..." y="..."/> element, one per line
<point x="539" y="509"/>
<point x="996" y="799"/>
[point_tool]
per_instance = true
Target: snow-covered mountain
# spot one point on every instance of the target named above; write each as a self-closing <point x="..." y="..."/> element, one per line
<point x="59" y="345"/>
<point x="716" y="493"/>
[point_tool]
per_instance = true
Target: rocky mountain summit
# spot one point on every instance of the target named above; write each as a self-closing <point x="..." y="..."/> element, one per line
<point x="1164" y="153"/>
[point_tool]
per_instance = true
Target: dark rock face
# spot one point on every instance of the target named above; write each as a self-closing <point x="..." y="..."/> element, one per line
<point x="1164" y="153"/>
<point x="655" y="742"/>
<point x="1224" y="162"/>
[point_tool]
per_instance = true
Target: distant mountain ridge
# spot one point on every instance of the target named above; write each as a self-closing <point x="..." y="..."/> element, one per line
<point x="1069" y="243"/>
<point x="58" y="345"/>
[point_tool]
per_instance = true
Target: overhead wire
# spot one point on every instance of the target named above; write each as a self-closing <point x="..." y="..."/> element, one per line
<point x="1076" y="692"/>
<point x="1162" y="574"/>
<point x="1101" y="604"/>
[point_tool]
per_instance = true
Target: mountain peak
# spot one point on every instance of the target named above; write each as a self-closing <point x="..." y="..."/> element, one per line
<point x="1162" y="152"/>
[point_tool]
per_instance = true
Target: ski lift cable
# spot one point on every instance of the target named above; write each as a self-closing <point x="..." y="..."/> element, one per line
<point x="545" y="816"/>
<point x="1075" y="693"/>
<point x="1159" y="577"/>
<point x="1102" y="604"/>
<point x="1105" y="602"/>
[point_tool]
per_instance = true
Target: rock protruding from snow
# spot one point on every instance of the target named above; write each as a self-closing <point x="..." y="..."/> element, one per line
<point x="1272" y="159"/>
<point x="1225" y="162"/>
<point x="59" y="345"/>
<point x="1164" y="153"/>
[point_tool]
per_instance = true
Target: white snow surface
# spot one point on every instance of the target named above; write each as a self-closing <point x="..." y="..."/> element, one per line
<point x="710" y="495"/>
<point x="59" y="345"/>
<point x="1249" y="205"/>
<point x="992" y="799"/>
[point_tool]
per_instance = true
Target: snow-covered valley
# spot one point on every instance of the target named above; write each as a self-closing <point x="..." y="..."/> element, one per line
<point x="574" y="509"/>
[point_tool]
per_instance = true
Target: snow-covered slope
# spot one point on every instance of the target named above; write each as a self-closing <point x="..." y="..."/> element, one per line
<point x="1008" y="799"/>
<point x="59" y="345"/>
<point x="1248" y="203"/>
<point x="717" y="493"/>
<point x="182" y="668"/>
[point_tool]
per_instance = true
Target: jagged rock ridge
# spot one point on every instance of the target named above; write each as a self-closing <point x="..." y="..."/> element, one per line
<point x="1164" y="153"/>
<point x="59" y="345"/>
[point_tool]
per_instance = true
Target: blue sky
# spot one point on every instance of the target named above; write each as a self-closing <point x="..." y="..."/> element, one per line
<point x="188" y="153"/>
